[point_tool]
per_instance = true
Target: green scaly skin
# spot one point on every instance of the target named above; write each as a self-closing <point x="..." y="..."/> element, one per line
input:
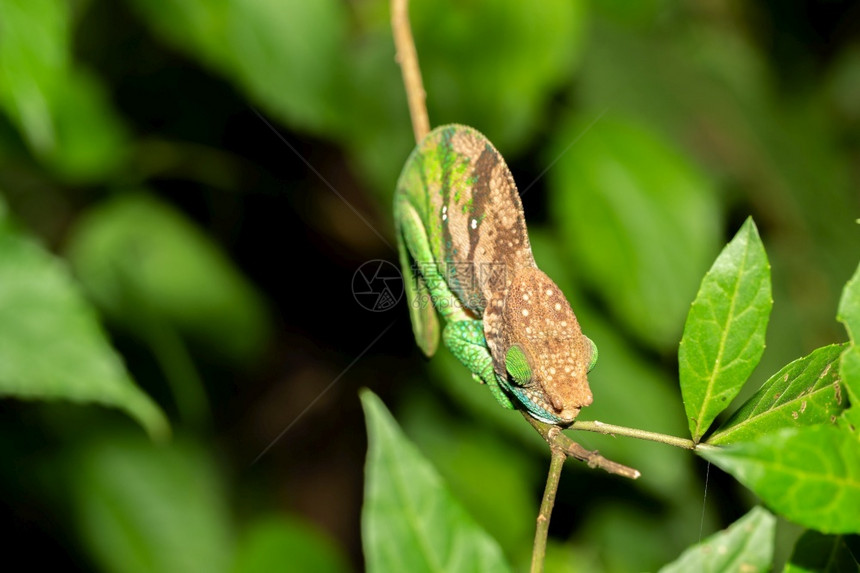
<point x="465" y="254"/>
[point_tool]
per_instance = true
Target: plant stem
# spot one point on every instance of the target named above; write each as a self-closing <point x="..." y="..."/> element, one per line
<point x="542" y="528"/>
<point x="601" y="428"/>
<point x="169" y="351"/>
<point x="185" y="383"/>
<point x="407" y="57"/>
<point x="557" y="440"/>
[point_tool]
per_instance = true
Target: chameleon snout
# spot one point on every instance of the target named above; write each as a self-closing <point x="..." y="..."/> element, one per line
<point x="566" y="412"/>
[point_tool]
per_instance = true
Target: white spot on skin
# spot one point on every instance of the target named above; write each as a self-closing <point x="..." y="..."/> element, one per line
<point x="525" y="297"/>
<point x="558" y="306"/>
<point x="525" y="312"/>
<point x="563" y="323"/>
<point x="548" y="292"/>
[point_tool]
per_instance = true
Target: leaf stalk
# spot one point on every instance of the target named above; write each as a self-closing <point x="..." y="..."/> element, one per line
<point x="613" y="430"/>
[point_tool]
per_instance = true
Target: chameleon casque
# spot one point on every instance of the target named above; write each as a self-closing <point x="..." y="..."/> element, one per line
<point x="464" y="251"/>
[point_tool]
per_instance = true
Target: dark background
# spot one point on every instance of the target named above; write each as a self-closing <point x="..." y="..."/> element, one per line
<point x="272" y="136"/>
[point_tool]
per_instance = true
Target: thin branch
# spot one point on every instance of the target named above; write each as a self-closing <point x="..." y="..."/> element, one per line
<point x="407" y="57"/>
<point x="601" y="428"/>
<point x="542" y="528"/>
<point x="557" y="440"/>
<point x="560" y="445"/>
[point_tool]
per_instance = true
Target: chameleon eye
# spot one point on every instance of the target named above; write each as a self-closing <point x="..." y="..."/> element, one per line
<point x="517" y="365"/>
<point x="593" y="359"/>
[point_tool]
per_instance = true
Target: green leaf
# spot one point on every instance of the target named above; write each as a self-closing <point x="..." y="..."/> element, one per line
<point x="849" y="307"/>
<point x="849" y="365"/>
<point x="410" y="522"/>
<point x="281" y="543"/>
<point x="60" y="109"/>
<point x="289" y="56"/>
<point x="197" y="26"/>
<point x="809" y="475"/>
<point x="641" y="221"/>
<point x="142" y="508"/>
<point x="540" y="45"/>
<point x="481" y="451"/>
<point x="142" y="261"/>
<point x="849" y="370"/>
<point x="51" y="344"/>
<point x="724" y="334"/>
<point x="746" y="545"/>
<point x="804" y="393"/>
<point x="819" y="553"/>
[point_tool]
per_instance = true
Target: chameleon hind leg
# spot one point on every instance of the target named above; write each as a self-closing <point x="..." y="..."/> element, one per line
<point x="463" y="335"/>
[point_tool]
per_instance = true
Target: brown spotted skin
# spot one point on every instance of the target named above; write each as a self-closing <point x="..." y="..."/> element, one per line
<point x="537" y="316"/>
<point x="466" y="197"/>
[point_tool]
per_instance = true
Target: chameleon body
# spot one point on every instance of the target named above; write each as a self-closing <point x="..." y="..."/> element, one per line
<point x="465" y="253"/>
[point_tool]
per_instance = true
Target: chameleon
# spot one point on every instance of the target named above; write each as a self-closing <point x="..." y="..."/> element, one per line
<point x="464" y="251"/>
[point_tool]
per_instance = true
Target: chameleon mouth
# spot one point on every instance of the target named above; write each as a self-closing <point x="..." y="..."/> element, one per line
<point x="543" y="410"/>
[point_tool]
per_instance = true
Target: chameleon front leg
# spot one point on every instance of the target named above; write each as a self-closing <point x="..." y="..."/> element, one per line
<point x="465" y="339"/>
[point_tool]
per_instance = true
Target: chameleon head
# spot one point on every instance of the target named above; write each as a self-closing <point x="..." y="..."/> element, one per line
<point x="546" y="356"/>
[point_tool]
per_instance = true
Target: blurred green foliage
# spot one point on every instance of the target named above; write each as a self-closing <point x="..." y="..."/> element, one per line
<point x="643" y="224"/>
<point x="745" y="546"/>
<point x="145" y="509"/>
<point x="59" y="107"/>
<point x="409" y="520"/>
<point x="51" y="344"/>
<point x="817" y="552"/>
<point x="641" y="134"/>
<point x="280" y="543"/>
<point x="175" y="275"/>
